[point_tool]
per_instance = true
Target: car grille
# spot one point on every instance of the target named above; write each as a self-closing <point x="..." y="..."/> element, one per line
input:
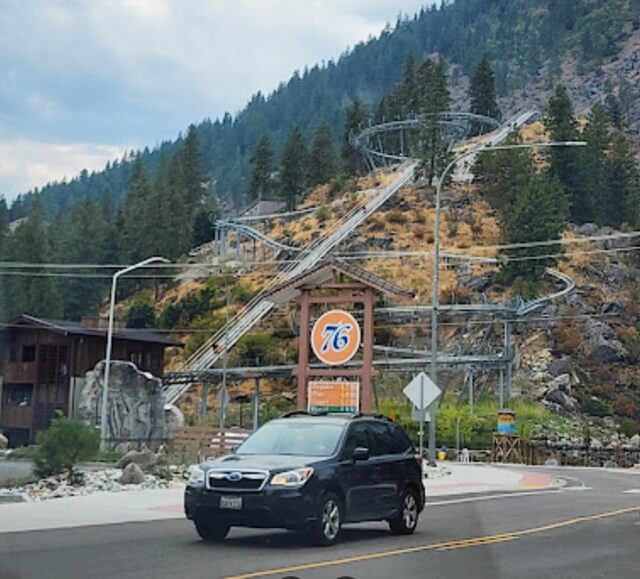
<point x="236" y="480"/>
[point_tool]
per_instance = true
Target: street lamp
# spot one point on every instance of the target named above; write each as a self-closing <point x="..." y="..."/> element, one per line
<point x="107" y="369"/>
<point x="435" y="279"/>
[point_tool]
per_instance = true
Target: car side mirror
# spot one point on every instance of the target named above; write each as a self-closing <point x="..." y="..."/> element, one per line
<point x="360" y="453"/>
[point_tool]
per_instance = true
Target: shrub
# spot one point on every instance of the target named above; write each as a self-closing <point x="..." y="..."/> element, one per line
<point x="452" y="228"/>
<point x="241" y="293"/>
<point x="629" y="427"/>
<point x="396" y="216"/>
<point x="596" y="407"/>
<point x="65" y="443"/>
<point x="336" y="185"/>
<point x="141" y="315"/>
<point x="322" y="213"/>
<point x="255" y="346"/>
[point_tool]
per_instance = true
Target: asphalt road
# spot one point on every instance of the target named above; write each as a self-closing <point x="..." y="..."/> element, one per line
<point x="582" y="533"/>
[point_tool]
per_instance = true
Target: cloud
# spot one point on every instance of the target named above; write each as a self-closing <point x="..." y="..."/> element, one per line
<point x="139" y="71"/>
<point x="25" y="164"/>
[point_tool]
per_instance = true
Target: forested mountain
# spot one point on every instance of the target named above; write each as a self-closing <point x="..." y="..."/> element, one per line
<point x="523" y="40"/>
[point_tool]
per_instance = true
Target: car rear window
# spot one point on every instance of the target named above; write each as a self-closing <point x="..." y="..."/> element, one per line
<point x="294" y="438"/>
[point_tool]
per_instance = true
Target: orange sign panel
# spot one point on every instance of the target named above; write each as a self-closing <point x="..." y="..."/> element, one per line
<point x="334" y="396"/>
<point x="335" y="337"/>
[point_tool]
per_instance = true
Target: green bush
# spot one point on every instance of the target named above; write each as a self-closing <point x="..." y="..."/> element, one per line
<point x="629" y="427"/>
<point x="141" y="315"/>
<point x="476" y="430"/>
<point x="322" y="213"/>
<point x="65" y="443"/>
<point x="596" y="407"/>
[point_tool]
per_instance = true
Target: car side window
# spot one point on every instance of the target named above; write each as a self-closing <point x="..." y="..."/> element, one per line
<point x="382" y="441"/>
<point x="357" y="436"/>
<point x="400" y="440"/>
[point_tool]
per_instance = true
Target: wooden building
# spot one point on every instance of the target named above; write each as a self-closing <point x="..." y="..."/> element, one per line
<point x="43" y="365"/>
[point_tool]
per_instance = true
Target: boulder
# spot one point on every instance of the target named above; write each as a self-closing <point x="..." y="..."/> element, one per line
<point x="614" y="307"/>
<point x="634" y="441"/>
<point x="145" y="459"/>
<point x="132" y="475"/>
<point x="605" y="347"/>
<point x="4" y="441"/>
<point x="479" y="283"/>
<point x="560" y="366"/>
<point x="587" y="229"/>
<point x="136" y="404"/>
<point x="607" y="351"/>
<point x="174" y="419"/>
<point x="596" y="444"/>
<point x="616" y="275"/>
<point x="562" y="382"/>
<point x="557" y="396"/>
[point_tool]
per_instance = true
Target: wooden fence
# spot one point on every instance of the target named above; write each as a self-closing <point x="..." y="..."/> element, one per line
<point x="202" y="442"/>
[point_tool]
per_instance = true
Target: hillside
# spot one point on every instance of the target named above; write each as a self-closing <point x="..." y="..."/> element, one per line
<point x="530" y="42"/>
<point x="576" y="358"/>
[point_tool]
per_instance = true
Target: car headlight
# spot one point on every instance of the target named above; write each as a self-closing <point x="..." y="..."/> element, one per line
<point x="196" y="476"/>
<point x="292" y="478"/>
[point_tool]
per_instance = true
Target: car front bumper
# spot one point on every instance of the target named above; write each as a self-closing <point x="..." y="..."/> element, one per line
<point x="269" y="508"/>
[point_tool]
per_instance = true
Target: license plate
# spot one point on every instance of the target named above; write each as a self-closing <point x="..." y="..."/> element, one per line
<point x="231" y="503"/>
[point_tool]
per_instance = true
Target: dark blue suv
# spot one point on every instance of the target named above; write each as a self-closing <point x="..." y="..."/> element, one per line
<point x="310" y="473"/>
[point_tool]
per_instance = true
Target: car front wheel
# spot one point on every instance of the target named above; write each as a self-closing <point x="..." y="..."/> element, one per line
<point x="407" y="521"/>
<point x="326" y="528"/>
<point x="211" y="531"/>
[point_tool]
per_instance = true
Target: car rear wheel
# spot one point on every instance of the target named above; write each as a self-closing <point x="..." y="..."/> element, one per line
<point x="407" y="521"/>
<point x="326" y="528"/>
<point x="211" y="531"/>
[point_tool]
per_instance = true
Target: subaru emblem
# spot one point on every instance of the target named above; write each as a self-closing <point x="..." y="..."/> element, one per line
<point x="234" y="476"/>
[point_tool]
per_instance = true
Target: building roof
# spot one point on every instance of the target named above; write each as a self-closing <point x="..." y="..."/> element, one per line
<point x="325" y="272"/>
<point x="76" y="329"/>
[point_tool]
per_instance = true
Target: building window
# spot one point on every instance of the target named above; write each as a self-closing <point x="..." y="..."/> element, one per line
<point x="13" y="353"/>
<point x="18" y="394"/>
<point x="28" y="353"/>
<point x="136" y="358"/>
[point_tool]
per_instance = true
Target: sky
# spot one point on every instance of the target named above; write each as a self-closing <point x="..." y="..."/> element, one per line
<point x="82" y="81"/>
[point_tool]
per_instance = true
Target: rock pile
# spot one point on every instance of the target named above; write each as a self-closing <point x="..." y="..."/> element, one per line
<point x="106" y="480"/>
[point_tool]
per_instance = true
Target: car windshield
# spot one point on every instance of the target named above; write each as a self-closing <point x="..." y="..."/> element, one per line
<point x="294" y="438"/>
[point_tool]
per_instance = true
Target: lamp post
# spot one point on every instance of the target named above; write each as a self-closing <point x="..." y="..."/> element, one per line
<point x="107" y="369"/>
<point x="435" y="279"/>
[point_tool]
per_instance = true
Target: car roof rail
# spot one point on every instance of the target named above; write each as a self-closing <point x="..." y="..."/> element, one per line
<point x="302" y="413"/>
<point x="372" y="415"/>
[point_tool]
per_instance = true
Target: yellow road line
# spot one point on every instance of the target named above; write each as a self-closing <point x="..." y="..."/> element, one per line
<point x="447" y="545"/>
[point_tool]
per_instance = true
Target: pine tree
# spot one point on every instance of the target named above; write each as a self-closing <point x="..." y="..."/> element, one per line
<point x="623" y="205"/>
<point x="501" y="175"/>
<point x="323" y="164"/>
<point x="36" y="294"/>
<point x="294" y="168"/>
<point x="614" y="111"/>
<point x="434" y="153"/>
<point x="482" y="93"/>
<point x="408" y="94"/>
<point x="565" y="161"/>
<point x="591" y="198"/>
<point x="261" y="182"/>
<point x="137" y="223"/>
<point x="356" y="116"/>
<point x="78" y="238"/>
<point x="539" y="214"/>
<point x="193" y="175"/>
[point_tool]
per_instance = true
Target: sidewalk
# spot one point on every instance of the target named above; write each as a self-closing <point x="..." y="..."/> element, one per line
<point x="159" y="504"/>
<point x="480" y="478"/>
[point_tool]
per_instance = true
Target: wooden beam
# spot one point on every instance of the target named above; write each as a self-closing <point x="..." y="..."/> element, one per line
<point x="339" y="299"/>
